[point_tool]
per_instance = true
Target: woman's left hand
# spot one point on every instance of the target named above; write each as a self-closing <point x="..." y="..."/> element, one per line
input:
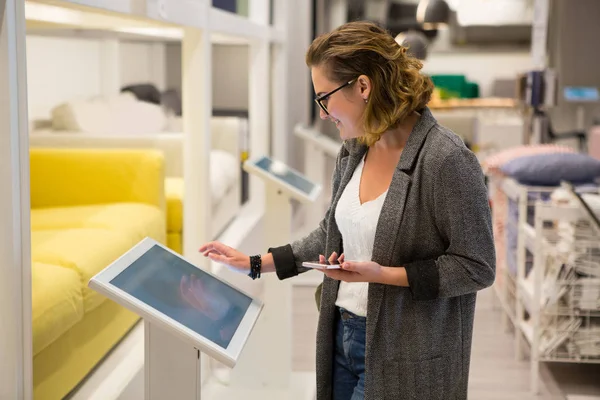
<point x="356" y="271"/>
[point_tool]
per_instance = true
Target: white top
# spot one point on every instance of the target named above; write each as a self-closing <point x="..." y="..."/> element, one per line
<point x="357" y="224"/>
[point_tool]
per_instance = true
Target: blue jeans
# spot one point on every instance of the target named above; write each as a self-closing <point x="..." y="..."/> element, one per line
<point x="349" y="357"/>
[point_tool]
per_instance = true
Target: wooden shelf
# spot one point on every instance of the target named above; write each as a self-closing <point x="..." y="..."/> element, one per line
<point x="503" y="103"/>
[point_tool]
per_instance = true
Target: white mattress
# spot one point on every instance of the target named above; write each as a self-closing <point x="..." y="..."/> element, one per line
<point x="223" y="174"/>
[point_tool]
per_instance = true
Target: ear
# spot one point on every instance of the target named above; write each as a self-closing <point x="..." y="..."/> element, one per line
<point x="365" y="86"/>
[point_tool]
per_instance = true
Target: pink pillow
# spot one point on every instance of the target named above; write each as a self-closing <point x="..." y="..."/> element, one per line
<point x="495" y="162"/>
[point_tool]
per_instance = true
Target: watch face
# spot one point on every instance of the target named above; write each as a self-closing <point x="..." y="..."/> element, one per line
<point x="285" y="174"/>
<point x="185" y="294"/>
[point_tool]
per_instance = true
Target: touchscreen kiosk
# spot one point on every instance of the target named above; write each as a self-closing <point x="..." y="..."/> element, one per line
<point x="286" y="178"/>
<point x="265" y="369"/>
<point x="186" y="311"/>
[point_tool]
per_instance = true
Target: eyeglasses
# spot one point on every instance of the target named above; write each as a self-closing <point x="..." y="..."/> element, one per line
<point x="320" y="99"/>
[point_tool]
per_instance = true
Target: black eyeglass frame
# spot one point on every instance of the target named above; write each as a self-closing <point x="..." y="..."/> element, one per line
<point x="319" y="99"/>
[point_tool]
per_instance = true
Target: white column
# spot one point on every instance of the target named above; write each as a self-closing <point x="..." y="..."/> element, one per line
<point x="294" y="18"/>
<point x="110" y="67"/>
<point x="539" y="34"/>
<point x="15" y="243"/>
<point x="280" y="80"/>
<point x="266" y="362"/>
<point x="197" y="111"/>
<point x="338" y="13"/>
<point x="259" y="108"/>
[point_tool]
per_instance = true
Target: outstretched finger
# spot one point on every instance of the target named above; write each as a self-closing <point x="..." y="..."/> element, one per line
<point x="217" y="246"/>
<point x="206" y="246"/>
<point x="211" y="251"/>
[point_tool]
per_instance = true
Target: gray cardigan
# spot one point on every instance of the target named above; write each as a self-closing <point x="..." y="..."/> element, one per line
<point x="436" y="223"/>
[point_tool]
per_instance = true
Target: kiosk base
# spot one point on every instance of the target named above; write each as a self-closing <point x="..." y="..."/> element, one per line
<point x="171" y="368"/>
<point x="302" y="388"/>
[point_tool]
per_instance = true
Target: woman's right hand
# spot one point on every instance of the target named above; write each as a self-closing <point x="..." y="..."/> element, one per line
<point x="226" y="255"/>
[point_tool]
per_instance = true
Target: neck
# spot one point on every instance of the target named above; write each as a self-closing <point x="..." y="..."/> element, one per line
<point x="396" y="138"/>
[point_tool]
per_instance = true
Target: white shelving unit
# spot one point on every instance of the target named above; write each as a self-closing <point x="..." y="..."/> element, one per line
<point x="561" y="294"/>
<point x="15" y="248"/>
<point x="551" y="294"/>
<point x="197" y="24"/>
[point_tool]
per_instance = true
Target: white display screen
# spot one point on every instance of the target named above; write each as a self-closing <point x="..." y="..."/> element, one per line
<point x="185" y="294"/>
<point x="285" y="174"/>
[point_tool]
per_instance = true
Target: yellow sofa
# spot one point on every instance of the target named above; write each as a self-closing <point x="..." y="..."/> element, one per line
<point x="227" y="134"/>
<point x="174" y="196"/>
<point x="88" y="207"/>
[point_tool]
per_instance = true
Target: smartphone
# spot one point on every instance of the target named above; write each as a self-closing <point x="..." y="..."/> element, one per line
<point x="318" y="265"/>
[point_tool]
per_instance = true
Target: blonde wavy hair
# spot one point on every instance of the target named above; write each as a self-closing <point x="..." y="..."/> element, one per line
<point x="364" y="48"/>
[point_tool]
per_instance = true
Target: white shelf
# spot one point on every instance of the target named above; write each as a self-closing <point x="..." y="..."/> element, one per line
<point x="230" y="24"/>
<point x="511" y="188"/>
<point x="190" y="13"/>
<point x="158" y="19"/>
<point x="112" y="6"/>
<point x="529" y="232"/>
<point x="542" y="242"/>
<point x="526" y="294"/>
<point x="527" y="330"/>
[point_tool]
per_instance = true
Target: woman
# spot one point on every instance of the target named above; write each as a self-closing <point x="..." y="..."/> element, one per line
<point x="411" y="223"/>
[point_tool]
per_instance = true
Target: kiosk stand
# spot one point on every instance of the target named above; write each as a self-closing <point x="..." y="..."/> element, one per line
<point x="264" y="370"/>
<point x="171" y="368"/>
<point x="186" y="311"/>
<point x="318" y="148"/>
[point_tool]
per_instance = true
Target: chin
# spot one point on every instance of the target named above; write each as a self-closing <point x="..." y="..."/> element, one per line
<point x="346" y="135"/>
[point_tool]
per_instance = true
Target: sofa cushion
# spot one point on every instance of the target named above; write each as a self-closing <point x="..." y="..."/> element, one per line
<point x="174" y="195"/>
<point x="86" y="239"/>
<point x="86" y="251"/>
<point x="57" y="303"/>
<point x="137" y="220"/>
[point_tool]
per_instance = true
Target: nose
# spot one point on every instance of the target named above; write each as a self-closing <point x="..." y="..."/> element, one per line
<point x="323" y="114"/>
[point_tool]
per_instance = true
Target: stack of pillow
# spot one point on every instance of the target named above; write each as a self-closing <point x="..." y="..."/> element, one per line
<point x="544" y="165"/>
